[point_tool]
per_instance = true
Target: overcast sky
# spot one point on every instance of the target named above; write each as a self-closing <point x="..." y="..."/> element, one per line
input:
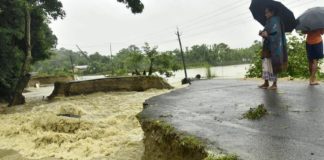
<point x="93" y="25"/>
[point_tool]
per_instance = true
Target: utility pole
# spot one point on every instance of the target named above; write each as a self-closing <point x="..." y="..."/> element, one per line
<point x="110" y="51"/>
<point x="111" y="59"/>
<point x="84" y="54"/>
<point x="72" y="65"/>
<point x="185" y="80"/>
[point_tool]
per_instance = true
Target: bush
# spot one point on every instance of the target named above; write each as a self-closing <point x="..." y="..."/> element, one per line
<point x="121" y="72"/>
<point x="297" y="60"/>
<point x="255" y="70"/>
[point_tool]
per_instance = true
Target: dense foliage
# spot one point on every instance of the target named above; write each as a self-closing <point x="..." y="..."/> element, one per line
<point x="136" y="60"/>
<point x="13" y="36"/>
<point x="26" y="38"/>
<point x="297" y="60"/>
<point x="219" y="54"/>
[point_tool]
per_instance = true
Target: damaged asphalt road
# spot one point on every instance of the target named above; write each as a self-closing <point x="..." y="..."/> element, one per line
<point x="213" y="110"/>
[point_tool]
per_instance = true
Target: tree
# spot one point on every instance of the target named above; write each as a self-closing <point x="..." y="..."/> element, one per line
<point x="151" y="53"/>
<point x="24" y="34"/>
<point x="135" y="5"/>
<point x="136" y="62"/>
<point x="130" y="59"/>
<point x="59" y="62"/>
<point x="165" y="62"/>
<point x="40" y="10"/>
<point x="11" y="31"/>
<point x="26" y="38"/>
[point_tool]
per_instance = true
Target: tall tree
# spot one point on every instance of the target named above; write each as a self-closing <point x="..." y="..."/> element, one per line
<point x="26" y="38"/>
<point x="11" y="31"/>
<point x="41" y="10"/>
<point x="151" y="54"/>
<point x="130" y="59"/>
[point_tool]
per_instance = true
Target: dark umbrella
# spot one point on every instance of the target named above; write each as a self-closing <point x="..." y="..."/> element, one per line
<point x="287" y="17"/>
<point x="311" y="19"/>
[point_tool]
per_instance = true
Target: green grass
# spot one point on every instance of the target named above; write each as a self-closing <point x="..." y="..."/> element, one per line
<point x="191" y="141"/>
<point x="256" y="113"/>
<point x="183" y="139"/>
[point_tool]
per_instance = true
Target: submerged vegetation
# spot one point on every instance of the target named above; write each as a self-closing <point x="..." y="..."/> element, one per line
<point x="256" y="113"/>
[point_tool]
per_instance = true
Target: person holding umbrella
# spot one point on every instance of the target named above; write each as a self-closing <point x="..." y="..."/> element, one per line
<point x="273" y="51"/>
<point x="312" y="24"/>
<point x="276" y="19"/>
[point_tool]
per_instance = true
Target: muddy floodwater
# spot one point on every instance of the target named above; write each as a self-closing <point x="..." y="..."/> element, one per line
<point x="95" y="126"/>
<point x="98" y="126"/>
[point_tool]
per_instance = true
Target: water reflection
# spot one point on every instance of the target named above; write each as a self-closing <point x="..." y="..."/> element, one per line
<point x="276" y="128"/>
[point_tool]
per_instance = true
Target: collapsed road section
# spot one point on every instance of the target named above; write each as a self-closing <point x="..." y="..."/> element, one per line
<point x="208" y="118"/>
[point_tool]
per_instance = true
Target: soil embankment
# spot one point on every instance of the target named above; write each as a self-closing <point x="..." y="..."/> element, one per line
<point x="135" y="83"/>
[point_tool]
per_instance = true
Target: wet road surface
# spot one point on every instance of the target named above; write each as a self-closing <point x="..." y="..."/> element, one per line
<point x="213" y="109"/>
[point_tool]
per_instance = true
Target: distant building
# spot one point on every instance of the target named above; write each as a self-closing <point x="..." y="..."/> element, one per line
<point x="80" y="68"/>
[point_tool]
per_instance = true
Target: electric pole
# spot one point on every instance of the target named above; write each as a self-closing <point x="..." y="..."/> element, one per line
<point x="185" y="80"/>
<point x="110" y="51"/>
<point x="72" y="65"/>
<point x="83" y="53"/>
<point x="111" y="59"/>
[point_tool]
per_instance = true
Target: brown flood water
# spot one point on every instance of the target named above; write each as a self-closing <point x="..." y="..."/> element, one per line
<point x="107" y="129"/>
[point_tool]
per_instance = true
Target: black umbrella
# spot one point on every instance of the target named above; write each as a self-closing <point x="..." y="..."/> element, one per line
<point x="311" y="19"/>
<point x="287" y="17"/>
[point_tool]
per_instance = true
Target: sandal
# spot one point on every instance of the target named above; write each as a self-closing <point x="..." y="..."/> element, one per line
<point x="264" y="86"/>
<point x="314" y="83"/>
<point x="273" y="88"/>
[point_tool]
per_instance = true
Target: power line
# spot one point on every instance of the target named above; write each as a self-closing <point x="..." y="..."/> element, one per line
<point x="224" y="27"/>
<point x="219" y="12"/>
<point x="236" y="16"/>
<point x="220" y="21"/>
<point x="215" y="14"/>
<point x="195" y="25"/>
<point x="209" y="14"/>
<point x="215" y="28"/>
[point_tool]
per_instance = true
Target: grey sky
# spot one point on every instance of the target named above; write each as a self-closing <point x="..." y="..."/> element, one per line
<point x="94" y="24"/>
